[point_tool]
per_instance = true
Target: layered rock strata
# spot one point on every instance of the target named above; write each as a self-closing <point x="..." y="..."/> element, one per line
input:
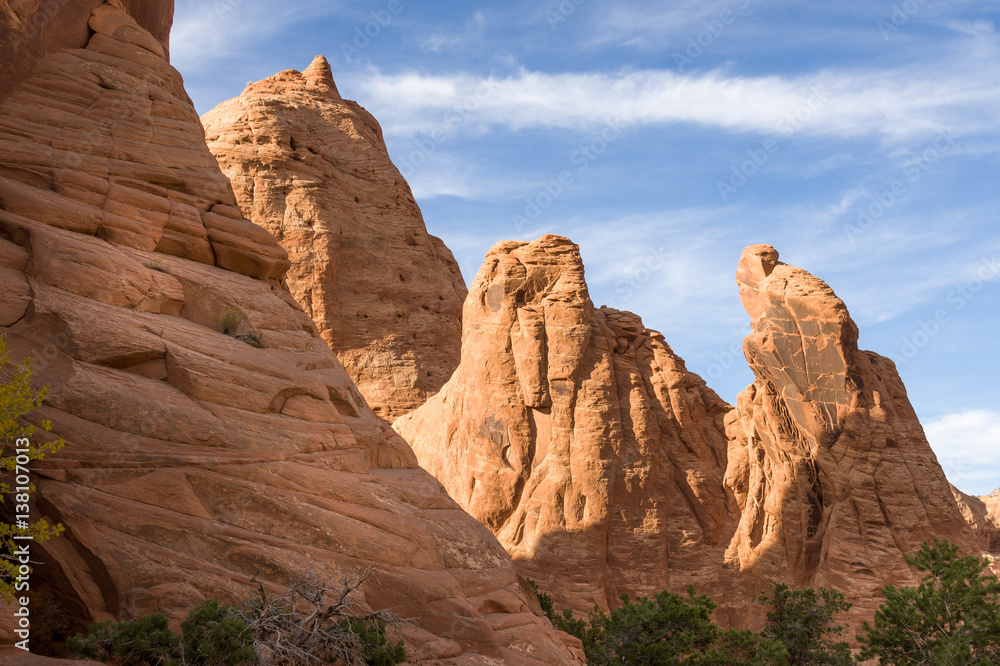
<point x="578" y="436"/>
<point x="313" y="169"/>
<point x="212" y="436"/>
<point x="833" y="475"/>
<point x="32" y="29"/>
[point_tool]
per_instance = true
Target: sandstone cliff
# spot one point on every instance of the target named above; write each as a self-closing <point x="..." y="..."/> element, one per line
<point x="211" y="434"/>
<point x="833" y="475"/>
<point x="604" y="466"/>
<point x="312" y="168"/>
<point x="578" y="436"/>
<point x="33" y="29"/>
<point x="983" y="516"/>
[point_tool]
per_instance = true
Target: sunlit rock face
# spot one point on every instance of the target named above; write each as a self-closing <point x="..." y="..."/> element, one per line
<point x="197" y="463"/>
<point x="833" y="476"/>
<point x="983" y="516"/>
<point x="578" y="437"/>
<point x="312" y="168"/>
<point x="605" y="467"/>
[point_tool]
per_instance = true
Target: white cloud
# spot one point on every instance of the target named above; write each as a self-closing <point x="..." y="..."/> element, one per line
<point x="968" y="447"/>
<point x="961" y="92"/>
<point x="627" y="23"/>
<point x="444" y="41"/>
<point x="205" y="32"/>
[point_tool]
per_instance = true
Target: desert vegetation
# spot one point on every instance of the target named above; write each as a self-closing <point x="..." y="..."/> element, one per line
<point x="313" y="621"/>
<point x="951" y="619"/>
<point x="23" y="444"/>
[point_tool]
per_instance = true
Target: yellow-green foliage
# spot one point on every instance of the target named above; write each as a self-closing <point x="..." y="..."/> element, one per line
<point x="227" y="320"/>
<point x="17" y="399"/>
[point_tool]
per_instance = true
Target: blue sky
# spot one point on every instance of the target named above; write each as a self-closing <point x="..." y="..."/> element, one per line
<point x="860" y="138"/>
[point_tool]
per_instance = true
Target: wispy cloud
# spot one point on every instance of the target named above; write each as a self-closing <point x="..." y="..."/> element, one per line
<point x="455" y="39"/>
<point x="966" y="444"/>
<point x="961" y="91"/>
<point x="207" y="32"/>
<point x="655" y="25"/>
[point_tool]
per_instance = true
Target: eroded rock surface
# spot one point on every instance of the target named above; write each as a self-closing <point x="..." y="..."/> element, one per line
<point x="194" y="460"/>
<point x="578" y="436"/>
<point x="983" y="516"/>
<point x="312" y="168"/>
<point x="32" y="29"/>
<point x="833" y="475"/>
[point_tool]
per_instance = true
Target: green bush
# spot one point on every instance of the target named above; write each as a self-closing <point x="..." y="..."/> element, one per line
<point x="801" y="619"/>
<point x="952" y="617"/>
<point x="668" y="629"/>
<point x="376" y="649"/>
<point x="213" y="637"/>
<point x="147" y="641"/>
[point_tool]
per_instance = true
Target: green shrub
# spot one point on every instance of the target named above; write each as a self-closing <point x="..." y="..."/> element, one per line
<point x="312" y="622"/>
<point x="213" y="637"/>
<point x="376" y="649"/>
<point x="662" y="630"/>
<point x="952" y="617"/>
<point x="147" y="641"/>
<point x="668" y="629"/>
<point x="801" y="619"/>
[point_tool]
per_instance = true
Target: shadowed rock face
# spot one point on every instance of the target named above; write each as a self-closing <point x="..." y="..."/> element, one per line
<point x="833" y="475"/>
<point x="194" y="461"/>
<point x="578" y="436"/>
<point x="33" y="29"/>
<point x="312" y="168"/>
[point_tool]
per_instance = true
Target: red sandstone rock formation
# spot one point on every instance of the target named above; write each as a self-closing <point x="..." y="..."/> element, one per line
<point x="312" y="168"/>
<point x="834" y="477"/>
<point x="578" y="436"/>
<point x="580" y="439"/>
<point x="983" y="516"/>
<point x="33" y="29"/>
<point x="195" y="461"/>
